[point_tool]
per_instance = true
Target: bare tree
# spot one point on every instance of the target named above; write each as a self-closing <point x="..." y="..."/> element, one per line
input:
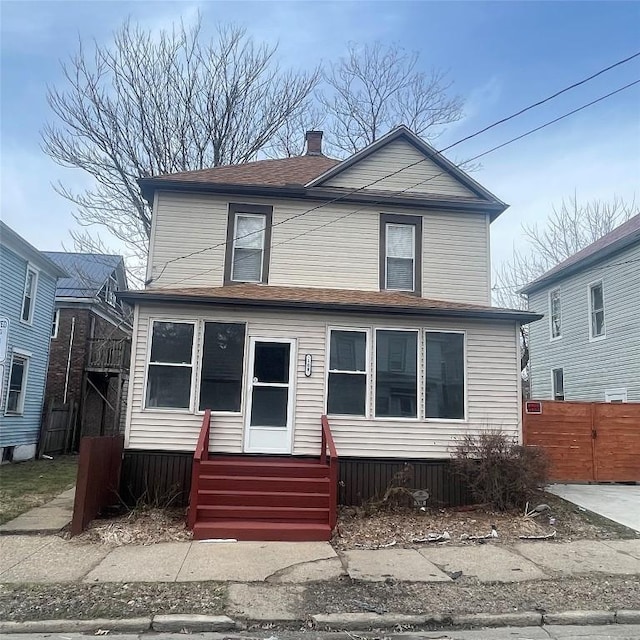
<point x="571" y="227"/>
<point x="376" y="88"/>
<point x="152" y="104"/>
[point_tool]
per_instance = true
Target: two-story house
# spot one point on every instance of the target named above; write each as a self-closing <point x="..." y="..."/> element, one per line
<point x="90" y="346"/>
<point x="27" y="291"/>
<point x="589" y="346"/>
<point x="281" y="291"/>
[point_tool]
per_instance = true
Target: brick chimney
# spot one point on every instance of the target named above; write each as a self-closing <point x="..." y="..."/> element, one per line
<point x="314" y="143"/>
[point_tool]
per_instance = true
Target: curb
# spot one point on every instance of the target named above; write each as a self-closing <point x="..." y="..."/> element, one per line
<point x="188" y="623"/>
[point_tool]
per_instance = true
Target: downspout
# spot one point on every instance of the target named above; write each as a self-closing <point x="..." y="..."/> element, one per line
<point x="66" y="377"/>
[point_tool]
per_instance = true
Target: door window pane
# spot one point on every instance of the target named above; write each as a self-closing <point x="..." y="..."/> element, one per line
<point x="221" y="372"/>
<point x="269" y="407"/>
<point x="444" y="375"/>
<point x="396" y="374"/>
<point x="271" y="362"/>
<point x="172" y="342"/>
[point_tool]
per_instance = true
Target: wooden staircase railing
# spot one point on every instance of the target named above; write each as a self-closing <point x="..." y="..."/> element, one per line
<point x="201" y="454"/>
<point x="328" y="443"/>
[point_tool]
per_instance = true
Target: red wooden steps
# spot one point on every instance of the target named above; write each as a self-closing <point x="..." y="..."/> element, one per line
<point x="263" y="498"/>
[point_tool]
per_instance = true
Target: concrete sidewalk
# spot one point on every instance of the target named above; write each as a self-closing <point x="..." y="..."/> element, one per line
<point x="49" y="518"/>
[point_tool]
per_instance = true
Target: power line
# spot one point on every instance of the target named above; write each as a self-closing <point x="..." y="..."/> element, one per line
<point x="395" y="193"/>
<point x="366" y="186"/>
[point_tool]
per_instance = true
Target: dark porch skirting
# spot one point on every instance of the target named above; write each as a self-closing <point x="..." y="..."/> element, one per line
<point x="163" y="478"/>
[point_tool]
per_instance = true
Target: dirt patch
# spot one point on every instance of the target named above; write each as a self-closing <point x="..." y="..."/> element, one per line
<point x="602" y="592"/>
<point x="140" y="526"/>
<point x="108" y="600"/>
<point x="401" y="526"/>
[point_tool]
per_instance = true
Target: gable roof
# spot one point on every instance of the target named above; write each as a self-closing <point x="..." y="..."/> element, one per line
<point x="87" y="272"/>
<point x="314" y="299"/>
<point x="623" y="236"/>
<point x="304" y="177"/>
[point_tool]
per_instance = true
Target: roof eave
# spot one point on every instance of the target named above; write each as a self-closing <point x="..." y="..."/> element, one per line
<point x="522" y="317"/>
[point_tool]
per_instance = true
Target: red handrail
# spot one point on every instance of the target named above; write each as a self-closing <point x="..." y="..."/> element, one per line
<point x="201" y="454"/>
<point x="327" y="442"/>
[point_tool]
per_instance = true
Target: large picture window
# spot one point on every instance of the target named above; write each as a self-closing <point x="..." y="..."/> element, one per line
<point x="17" y="384"/>
<point x="400" y="252"/>
<point x="444" y="375"/>
<point x="396" y="374"/>
<point x="222" y="366"/>
<point x="170" y="365"/>
<point x="347" y="386"/>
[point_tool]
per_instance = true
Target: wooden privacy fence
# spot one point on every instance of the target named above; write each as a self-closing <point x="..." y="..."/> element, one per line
<point x="98" y="478"/>
<point x="587" y="441"/>
<point x="58" y="428"/>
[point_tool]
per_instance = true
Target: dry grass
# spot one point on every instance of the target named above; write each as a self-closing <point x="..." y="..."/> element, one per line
<point x="26" y="485"/>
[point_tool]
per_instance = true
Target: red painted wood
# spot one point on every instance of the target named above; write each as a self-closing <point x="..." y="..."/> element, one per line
<point x="263" y="468"/>
<point x="200" y="455"/>
<point x="271" y="514"/>
<point x="263" y="498"/>
<point x="261" y="483"/>
<point x="251" y="530"/>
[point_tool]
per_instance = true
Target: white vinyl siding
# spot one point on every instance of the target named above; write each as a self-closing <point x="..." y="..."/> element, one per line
<point x="318" y="249"/>
<point x="492" y="388"/>
<point x="424" y="176"/>
<point x="591" y="366"/>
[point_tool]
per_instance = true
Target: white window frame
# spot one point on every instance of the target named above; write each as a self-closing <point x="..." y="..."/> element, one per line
<point x="200" y="355"/>
<point x="465" y="370"/>
<point x="32" y="306"/>
<point x="374" y="372"/>
<point x="25" y="356"/>
<point x="240" y="214"/>
<point x="194" y="352"/>
<point x="367" y="373"/>
<point x="551" y="336"/>
<point x="413" y="257"/>
<point x="56" y="324"/>
<point x="553" y="385"/>
<point x="590" y="286"/>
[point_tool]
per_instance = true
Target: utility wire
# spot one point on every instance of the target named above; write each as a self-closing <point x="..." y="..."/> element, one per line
<point x="396" y="193"/>
<point x="367" y="186"/>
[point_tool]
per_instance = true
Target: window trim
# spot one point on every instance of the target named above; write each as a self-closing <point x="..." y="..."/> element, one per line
<point x="200" y="356"/>
<point x="56" y="324"/>
<point x="553" y="338"/>
<point x="553" y="384"/>
<point x="194" y="353"/>
<point x="590" y="286"/>
<point x="251" y="209"/>
<point x="465" y="373"/>
<point x="374" y="377"/>
<point x="32" y="307"/>
<point x="367" y="372"/>
<point x="25" y="356"/>
<point x="416" y="221"/>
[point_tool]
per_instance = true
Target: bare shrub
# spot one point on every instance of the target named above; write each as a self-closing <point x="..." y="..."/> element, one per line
<point x="498" y="471"/>
<point x="396" y="494"/>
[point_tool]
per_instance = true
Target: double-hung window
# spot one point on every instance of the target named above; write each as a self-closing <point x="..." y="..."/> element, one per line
<point x="55" y="324"/>
<point x="170" y="365"/>
<point x="596" y="311"/>
<point x="400" y="253"/>
<point x="17" y="384"/>
<point x="248" y="243"/>
<point x="396" y="374"/>
<point x="555" y="313"/>
<point x="557" y="380"/>
<point x="347" y="384"/>
<point x="29" y="296"/>
<point x="222" y="366"/>
<point x="444" y="375"/>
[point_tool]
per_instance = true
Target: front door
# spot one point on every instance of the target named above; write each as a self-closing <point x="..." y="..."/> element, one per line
<point x="270" y="398"/>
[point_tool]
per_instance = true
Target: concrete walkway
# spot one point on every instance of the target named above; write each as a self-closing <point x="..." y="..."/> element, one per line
<point x="49" y="518"/>
<point x="618" y="502"/>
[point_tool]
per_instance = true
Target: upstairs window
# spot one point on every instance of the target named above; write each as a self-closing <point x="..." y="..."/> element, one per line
<point x="555" y="313"/>
<point x="29" y="296"/>
<point x="55" y="325"/>
<point x="400" y="253"/>
<point x="557" y="379"/>
<point x="347" y="386"/>
<point x="248" y="243"/>
<point x="596" y="311"/>
<point x="109" y="291"/>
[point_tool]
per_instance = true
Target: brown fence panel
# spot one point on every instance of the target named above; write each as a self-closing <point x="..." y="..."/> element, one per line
<point x="98" y="478"/>
<point x="617" y="442"/>
<point x="564" y="431"/>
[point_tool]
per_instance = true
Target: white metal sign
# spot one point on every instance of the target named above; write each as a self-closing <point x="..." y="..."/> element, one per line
<point x="4" y="335"/>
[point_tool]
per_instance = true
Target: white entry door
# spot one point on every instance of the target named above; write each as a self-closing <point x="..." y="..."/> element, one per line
<point x="270" y="397"/>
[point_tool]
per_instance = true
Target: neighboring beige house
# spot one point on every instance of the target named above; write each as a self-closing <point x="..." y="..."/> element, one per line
<point x="280" y="291"/>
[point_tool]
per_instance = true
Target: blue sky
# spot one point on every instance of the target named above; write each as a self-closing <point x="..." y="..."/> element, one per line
<point x="501" y="56"/>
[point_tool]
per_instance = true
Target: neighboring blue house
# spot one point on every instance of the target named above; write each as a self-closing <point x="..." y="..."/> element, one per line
<point x="589" y="346"/>
<point x="27" y="294"/>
